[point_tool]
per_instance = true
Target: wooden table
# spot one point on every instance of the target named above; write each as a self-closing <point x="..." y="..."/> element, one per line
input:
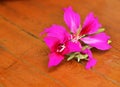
<point x="24" y="55"/>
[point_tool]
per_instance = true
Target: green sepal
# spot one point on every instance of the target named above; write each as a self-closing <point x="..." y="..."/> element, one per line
<point x="81" y="56"/>
<point x="77" y="56"/>
<point x="71" y="56"/>
<point x="101" y="30"/>
<point x="85" y="47"/>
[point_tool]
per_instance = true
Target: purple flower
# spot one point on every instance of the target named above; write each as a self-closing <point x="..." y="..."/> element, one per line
<point x="58" y="40"/>
<point x="61" y="43"/>
<point x="86" y="33"/>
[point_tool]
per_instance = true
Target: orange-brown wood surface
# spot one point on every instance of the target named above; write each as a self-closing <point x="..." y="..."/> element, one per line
<point x="24" y="55"/>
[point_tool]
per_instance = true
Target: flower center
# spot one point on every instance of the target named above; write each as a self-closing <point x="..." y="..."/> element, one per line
<point x="60" y="47"/>
<point x="74" y="38"/>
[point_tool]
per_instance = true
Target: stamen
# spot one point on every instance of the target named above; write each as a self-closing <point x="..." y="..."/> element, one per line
<point x="60" y="48"/>
<point x="75" y="39"/>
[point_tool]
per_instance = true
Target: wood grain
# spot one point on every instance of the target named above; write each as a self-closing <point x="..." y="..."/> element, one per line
<point x="24" y="55"/>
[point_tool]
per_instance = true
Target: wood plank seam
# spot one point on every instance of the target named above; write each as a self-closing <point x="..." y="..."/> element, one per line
<point x="14" y="11"/>
<point x="29" y="33"/>
<point x="106" y="77"/>
<point x="33" y="68"/>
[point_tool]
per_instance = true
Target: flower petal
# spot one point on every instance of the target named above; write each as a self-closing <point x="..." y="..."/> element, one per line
<point x="72" y="47"/>
<point x="91" y="62"/>
<point x="51" y="42"/>
<point x="54" y="59"/>
<point x="90" y="25"/>
<point x="100" y="41"/>
<point x="57" y="31"/>
<point x="72" y="19"/>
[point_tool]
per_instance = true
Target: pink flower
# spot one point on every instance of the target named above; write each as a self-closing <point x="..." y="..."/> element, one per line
<point x="86" y="33"/>
<point x="61" y="43"/>
<point x="58" y="40"/>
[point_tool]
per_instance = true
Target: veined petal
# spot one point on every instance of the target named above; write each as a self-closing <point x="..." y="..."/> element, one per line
<point x="72" y="47"/>
<point x="90" y="25"/>
<point x="51" y="42"/>
<point x="91" y="61"/>
<point x="57" y="31"/>
<point x="54" y="59"/>
<point x="99" y="41"/>
<point x="72" y="19"/>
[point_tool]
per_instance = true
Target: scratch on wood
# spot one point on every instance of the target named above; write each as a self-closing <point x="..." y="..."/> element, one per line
<point x="10" y="65"/>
